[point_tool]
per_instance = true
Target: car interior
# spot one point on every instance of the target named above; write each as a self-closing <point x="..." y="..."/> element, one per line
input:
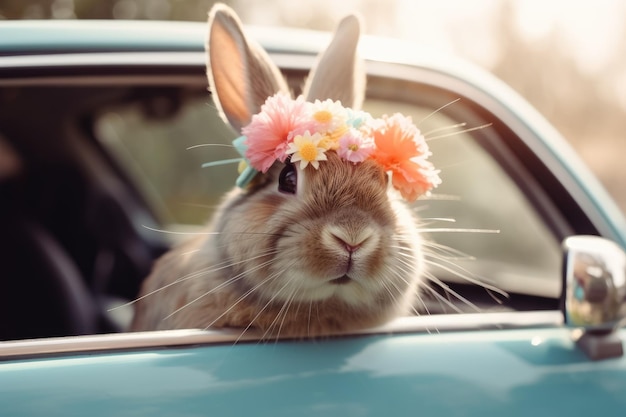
<point x="98" y="178"/>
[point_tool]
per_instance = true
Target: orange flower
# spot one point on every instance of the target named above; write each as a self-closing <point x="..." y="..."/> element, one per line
<point x="402" y="150"/>
<point x="414" y="178"/>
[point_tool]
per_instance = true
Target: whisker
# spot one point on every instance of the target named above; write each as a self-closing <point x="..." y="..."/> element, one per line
<point x="189" y="252"/>
<point x="391" y="294"/>
<point x="458" y="230"/>
<point x="406" y="254"/>
<point x="271" y="277"/>
<point x="438" y="219"/>
<point x="441" y="298"/>
<point x="439" y="197"/>
<point x="437" y="111"/>
<point x="284" y="310"/>
<point x="217" y="288"/>
<point x="466" y="275"/>
<point x="298" y="305"/>
<point x="198" y="205"/>
<point x="267" y="304"/>
<point x="400" y="292"/>
<point x="471" y="129"/>
<point x="437" y="250"/>
<point x="201" y="145"/>
<point x="240" y="299"/>
<point x="444" y="128"/>
<point x="409" y="270"/>
<point x="177" y="232"/>
<point x="421" y="301"/>
<point x="203" y="271"/>
<point x="173" y="232"/>
<point x="449" y="290"/>
<point x="418" y="298"/>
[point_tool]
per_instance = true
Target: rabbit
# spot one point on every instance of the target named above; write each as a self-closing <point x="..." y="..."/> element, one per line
<point x="297" y="252"/>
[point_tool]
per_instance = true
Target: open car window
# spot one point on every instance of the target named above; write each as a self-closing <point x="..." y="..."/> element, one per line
<point x="481" y="225"/>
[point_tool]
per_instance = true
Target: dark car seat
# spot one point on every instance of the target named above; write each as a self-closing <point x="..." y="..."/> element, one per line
<point x="42" y="292"/>
<point x="75" y="236"/>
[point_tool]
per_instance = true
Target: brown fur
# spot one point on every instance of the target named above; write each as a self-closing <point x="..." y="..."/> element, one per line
<point x="280" y="262"/>
<point x="293" y="227"/>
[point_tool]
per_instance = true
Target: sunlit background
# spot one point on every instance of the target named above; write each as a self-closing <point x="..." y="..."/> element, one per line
<point x="568" y="58"/>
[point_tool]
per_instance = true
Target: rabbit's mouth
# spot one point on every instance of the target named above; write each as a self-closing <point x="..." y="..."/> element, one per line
<point x="342" y="280"/>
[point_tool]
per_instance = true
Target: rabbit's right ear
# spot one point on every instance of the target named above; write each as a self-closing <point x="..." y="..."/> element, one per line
<point x="339" y="73"/>
<point x="241" y="75"/>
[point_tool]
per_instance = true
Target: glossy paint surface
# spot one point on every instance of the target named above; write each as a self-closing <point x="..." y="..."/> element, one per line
<point x="478" y="373"/>
<point x="536" y="372"/>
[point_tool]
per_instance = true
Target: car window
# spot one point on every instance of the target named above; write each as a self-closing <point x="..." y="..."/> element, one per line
<point x="481" y="225"/>
<point x="160" y="143"/>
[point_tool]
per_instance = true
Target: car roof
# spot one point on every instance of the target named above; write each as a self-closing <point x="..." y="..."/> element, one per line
<point x="53" y="36"/>
<point x="68" y="36"/>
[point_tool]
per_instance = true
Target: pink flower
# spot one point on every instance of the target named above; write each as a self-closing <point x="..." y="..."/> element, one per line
<point x="354" y="147"/>
<point x="270" y="131"/>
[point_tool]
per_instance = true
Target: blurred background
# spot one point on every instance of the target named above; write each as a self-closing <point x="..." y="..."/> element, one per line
<point x="568" y="58"/>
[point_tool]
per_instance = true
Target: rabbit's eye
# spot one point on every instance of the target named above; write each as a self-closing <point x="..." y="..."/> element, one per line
<point x="288" y="179"/>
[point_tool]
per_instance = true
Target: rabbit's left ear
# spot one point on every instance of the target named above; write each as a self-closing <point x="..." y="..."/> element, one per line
<point x="241" y="75"/>
<point x="339" y="73"/>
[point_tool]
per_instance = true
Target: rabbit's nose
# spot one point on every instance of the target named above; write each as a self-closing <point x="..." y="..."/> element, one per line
<point x="348" y="245"/>
<point x="352" y="240"/>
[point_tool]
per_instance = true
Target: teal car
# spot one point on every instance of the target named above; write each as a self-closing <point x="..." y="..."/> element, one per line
<point x="104" y="130"/>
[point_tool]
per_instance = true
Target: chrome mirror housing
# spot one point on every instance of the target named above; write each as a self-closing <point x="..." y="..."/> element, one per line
<point x="594" y="292"/>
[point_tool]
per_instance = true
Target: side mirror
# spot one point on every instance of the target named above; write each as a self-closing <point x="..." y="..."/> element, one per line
<point x="594" y="294"/>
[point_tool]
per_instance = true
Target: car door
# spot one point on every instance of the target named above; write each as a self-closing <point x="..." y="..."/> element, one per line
<point x="490" y="339"/>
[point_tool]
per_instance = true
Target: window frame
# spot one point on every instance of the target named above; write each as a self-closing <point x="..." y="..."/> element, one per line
<point x="568" y="203"/>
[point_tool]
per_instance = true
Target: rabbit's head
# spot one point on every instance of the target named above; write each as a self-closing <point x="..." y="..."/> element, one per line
<point x="317" y="222"/>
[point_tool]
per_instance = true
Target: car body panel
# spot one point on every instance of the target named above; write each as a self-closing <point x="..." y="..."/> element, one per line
<point x="488" y="373"/>
<point x="456" y="365"/>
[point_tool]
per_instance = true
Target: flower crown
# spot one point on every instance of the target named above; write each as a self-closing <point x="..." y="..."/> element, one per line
<point x="305" y="132"/>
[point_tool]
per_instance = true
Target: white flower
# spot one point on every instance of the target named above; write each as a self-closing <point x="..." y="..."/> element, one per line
<point x="307" y="149"/>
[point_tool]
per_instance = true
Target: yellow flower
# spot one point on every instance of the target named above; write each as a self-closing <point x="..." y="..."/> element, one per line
<point x="308" y="149"/>
<point x="323" y="116"/>
<point x="336" y="134"/>
<point x="242" y="166"/>
<point x="330" y="143"/>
